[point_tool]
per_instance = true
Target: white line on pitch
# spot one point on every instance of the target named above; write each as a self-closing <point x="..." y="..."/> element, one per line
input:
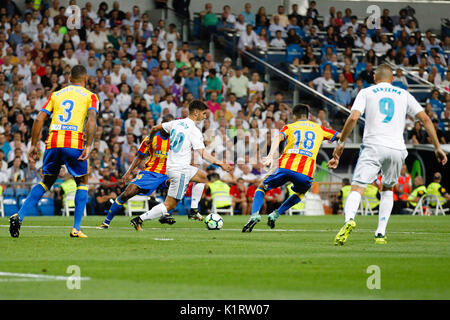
<point x="257" y="230"/>
<point x="36" y="277"/>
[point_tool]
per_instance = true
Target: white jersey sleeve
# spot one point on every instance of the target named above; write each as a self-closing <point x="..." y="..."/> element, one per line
<point x="413" y="107"/>
<point x="360" y="102"/>
<point x="197" y="139"/>
<point x="167" y="126"/>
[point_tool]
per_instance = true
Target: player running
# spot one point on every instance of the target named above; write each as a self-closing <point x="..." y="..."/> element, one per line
<point x="383" y="147"/>
<point x="184" y="137"/>
<point x="66" y="144"/>
<point x="296" y="164"/>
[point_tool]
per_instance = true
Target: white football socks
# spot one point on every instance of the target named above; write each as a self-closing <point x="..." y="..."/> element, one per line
<point x="352" y="205"/>
<point x="197" y="191"/>
<point x="154" y="213"/>
<point x="386" y="204"/>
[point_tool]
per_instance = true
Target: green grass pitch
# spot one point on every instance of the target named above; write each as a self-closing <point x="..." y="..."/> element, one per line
<point x="297" y="260"/>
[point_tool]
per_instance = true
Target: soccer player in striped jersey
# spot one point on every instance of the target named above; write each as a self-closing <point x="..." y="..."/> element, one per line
<point x="296" y="164"/>
<point x="74" y="121"/>
<point x="150" y="178"/>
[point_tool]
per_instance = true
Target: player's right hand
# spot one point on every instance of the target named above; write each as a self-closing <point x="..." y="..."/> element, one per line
<point x="333" y="163"/>
<point x="441" y="156"/>
<point x="33" y="153"/>
<point x="226" y="167"/>
<point x="85" y="154"/>
<point x="126" y="177"/>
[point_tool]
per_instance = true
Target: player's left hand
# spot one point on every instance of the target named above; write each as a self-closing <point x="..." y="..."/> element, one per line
<point x="85" y="154"/>
<point x="267" y="161"/>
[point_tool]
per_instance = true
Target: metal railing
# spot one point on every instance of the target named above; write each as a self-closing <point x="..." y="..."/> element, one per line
<point x="298" y="85"/>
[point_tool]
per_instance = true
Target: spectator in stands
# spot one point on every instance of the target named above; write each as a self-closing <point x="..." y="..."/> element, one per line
<point x="439" y="132"/>
<point x="363" y="41"/>
<point x="263" y="40"/>
<point x="343" y="95"/>
<point x="209" y="21"/>
<point x="367" y="74"/>
<point x="282" y="17"/>
<point x="240" y="25"/>
<point x="400" y="79"/>
<point x="278" y="42"/>
<point x="417" y="135"/>
<point x="239" y="85"/>
<point x="239" y="201"/>
<point x="293" y="38"/>
<point x="324" y="84"/>
<point x="275" y="26"/>
<point x="248" y="39"/>
<point x="249" y="16"/>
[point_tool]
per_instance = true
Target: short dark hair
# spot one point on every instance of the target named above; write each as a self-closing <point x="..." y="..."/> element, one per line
<point x="346" y="181"/>
<point x="301" y="110"/>
<point x="78" y="72"/>
<point x="197" y="105"/>
<point x="167" y="118"/>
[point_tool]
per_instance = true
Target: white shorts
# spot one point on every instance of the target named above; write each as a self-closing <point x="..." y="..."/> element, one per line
<point x="373" y="159"/>
<point x="179" y="181"/>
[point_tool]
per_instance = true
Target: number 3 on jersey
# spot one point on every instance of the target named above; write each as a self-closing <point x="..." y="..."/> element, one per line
<point x="387" y="108"/>
<point x="67" y="105"/>
<point x="176" y="140"/>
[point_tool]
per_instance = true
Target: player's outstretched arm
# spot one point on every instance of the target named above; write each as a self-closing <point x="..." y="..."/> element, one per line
<point x="440" y="154"/>
<point x="208" y="157"/>
<point x="136" y="162"/>
<point x="91" y="128"/>
<point x="348" y="128"/>
<point x="268" y="161"/>
<point x="35" y="133"/>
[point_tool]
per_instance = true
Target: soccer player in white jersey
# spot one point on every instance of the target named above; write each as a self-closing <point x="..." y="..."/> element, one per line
<point x="184" y="137"/>
<point x="383" y="148"/>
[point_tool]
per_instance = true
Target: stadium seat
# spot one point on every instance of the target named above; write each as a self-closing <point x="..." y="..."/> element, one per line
<point x="31" y="211"/>
<point x="10" y="205"/>
<point x="359" y="68"/>
<point x="399" y="84"/>
<point x="425" y="202"/>
<point x="137" y="204"/>
<point x="364" y="206"/>
<point x="325" y="47"/>
<point x="22" y="192"/>
<point x="68" y="209"/>
<point x="9" y="192"/>
<point x="294" y="51"/>
<point x="46" y="207"/>
<point x="214" y="208"/>
<point x="2" y="211"/>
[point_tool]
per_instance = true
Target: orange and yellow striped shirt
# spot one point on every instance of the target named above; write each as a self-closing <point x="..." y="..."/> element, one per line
<point x="303" y="140"/>
<point x="68" y="108"/>
<point x="157" y="152"/>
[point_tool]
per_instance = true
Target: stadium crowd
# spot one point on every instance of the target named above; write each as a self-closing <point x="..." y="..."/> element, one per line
<point x="143" y="71"/>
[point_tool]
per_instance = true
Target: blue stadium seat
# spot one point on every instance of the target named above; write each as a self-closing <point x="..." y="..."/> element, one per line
<point x="399" y="84"/>
<point x="31" y="211"/>
<point x="46" y="207"/>
<point x="359" y="68"/>
<point x="294" y="51"/>
<point x="325" y="47"/>
<point x="22" y="192"/>
<point x="9" y="192"/>
<point x="10" y="205"/>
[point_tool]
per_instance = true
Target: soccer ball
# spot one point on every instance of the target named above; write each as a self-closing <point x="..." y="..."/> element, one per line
<point x="214" y="221"/>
